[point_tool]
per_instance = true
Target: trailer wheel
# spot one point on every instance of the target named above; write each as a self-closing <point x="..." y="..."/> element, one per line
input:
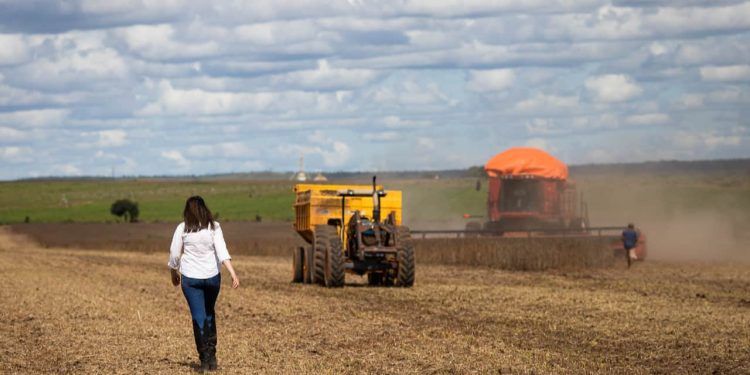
<point x="297" y="265"/>
<point x="309" y="264"/>
<point x="405" y="257"/>
<point x="329" y="257"/>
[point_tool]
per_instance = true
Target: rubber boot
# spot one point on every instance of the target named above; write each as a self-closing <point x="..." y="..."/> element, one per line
<point x="211" y="344"/>
<point x="200" y="346"/>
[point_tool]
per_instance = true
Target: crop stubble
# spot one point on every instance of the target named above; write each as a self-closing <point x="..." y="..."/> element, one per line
<point x="101" y="311"/>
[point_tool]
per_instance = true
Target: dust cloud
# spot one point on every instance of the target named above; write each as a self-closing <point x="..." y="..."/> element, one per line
<point x="685" y="218"/>
<point x="698" y="236"/>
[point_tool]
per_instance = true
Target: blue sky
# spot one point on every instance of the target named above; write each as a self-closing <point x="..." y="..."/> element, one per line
<point x="192" y="87"/>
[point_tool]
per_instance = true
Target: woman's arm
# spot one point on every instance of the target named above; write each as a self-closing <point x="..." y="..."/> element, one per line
<point x="175" y="252"/>
<point x="222" y="253"/>
<point x="235" y="280"/>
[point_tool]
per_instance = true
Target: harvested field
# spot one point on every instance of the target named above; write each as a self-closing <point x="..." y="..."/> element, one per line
<point x="92" y="311"/>
<point x="243" y="237"/>
<point x="277" y="239"/>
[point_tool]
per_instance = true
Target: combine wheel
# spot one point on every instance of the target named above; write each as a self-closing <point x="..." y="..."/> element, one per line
<point x="297" y="265"/>
<point x="329" y="257"/>
<point x="309" y="264"/>
<point x="473" y="226"/>
<point x="406" y="261"/>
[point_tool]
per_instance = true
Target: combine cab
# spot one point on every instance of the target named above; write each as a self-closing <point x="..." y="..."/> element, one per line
<point x="342" y="225"/>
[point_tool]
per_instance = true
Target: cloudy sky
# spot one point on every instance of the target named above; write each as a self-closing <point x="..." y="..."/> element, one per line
<point x="177" y="86"/>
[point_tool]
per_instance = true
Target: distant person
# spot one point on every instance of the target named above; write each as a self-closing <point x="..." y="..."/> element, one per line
<point x="195" y="257"/>
<point x="629" y="242"/>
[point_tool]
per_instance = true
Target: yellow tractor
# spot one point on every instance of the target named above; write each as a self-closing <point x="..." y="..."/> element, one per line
<point x="344" y="231"/>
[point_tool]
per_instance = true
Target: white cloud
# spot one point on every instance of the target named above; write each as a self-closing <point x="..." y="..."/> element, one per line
<point x="547" y="102"/>
<point x="177" y="102"/>
<point x="491" y="80"/>
<point x="16" y="154"/>
<point x="13" y="49"/>
<point x="235" y="150"/>
<point x="272" y="34"/>
<point x="395" y="122"/>
<point x="11" y="135"/>
<point x="35" y="118"/>
<point x="159" y="42"/>
<point x="647" y="119"/>
<point x="387" y="136"/>
<point x="230" y="150"/>
<point x="726" y="73"/>
<point x="67" y="170"/>
<point x="697" y="140"/>
<point x="72" y="68"/>
<point x="325" y="78"/>
<point x="692" y="100"/>
<point x="176" y="157"/>
<point x="112" y="138"/>
<point x="115" y="7"/>
<point x="613" y="87"/>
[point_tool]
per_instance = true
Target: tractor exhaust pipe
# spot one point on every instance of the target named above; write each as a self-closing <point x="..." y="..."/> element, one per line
<point x="375" y="201"/>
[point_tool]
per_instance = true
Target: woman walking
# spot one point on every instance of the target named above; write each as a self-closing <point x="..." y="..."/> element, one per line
<point x="195" y="257"/>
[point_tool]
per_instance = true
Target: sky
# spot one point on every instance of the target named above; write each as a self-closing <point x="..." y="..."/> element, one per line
<point x="174" y="87"/>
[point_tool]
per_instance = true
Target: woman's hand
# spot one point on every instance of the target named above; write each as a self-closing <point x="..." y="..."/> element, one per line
<point x="175" y="276"/>
<point x="235" y="279"/>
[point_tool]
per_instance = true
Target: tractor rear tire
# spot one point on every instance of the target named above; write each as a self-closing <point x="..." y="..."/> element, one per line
<point x="329" y="257"/>
<point x="405" y="257"/>
<point x="309" y="263"/>
<point x="297" y="265"/>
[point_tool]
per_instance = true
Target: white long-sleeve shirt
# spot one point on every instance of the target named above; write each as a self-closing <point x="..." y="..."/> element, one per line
<point x="198" y="254"/>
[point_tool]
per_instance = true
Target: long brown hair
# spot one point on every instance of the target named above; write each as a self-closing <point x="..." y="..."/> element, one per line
<point x="197" y="216"/>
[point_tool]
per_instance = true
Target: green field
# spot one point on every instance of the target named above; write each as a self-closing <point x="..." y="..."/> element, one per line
<point x="158" y="200"/>
<point x="163" y="200"/>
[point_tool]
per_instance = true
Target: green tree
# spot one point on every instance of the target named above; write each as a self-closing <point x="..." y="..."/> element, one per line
<point x="126" y="209"/>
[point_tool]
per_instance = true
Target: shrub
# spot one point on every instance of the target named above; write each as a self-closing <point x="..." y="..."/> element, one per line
<point x="126" y="209"/>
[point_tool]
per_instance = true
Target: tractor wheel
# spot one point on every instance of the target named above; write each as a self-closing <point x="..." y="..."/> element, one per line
<point x="329" y="257"/>
<point x="405" y="257"/>
<point x="297" y="265"/>
<point x="309" y="264"/>
<point x="374" y="279"/>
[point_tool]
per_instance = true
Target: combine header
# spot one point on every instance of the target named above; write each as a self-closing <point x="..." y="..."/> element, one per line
<point x="343" y="226"/>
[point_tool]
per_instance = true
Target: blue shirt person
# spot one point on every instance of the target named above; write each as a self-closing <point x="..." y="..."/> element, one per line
<point x="629" y="242"/>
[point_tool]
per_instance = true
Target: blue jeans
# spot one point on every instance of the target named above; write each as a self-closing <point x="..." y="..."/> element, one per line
<point x="201" y="295"/>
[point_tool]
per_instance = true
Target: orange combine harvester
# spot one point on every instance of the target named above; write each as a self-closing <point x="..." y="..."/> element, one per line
<point x="530" y="194"/>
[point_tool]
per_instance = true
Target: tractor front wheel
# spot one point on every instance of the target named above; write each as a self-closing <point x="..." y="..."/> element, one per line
<point x="297" y="265"/>
<point x="309" y="264"/>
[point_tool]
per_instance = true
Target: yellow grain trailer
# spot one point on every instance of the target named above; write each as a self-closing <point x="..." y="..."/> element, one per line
<point x="343" y="227"/>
